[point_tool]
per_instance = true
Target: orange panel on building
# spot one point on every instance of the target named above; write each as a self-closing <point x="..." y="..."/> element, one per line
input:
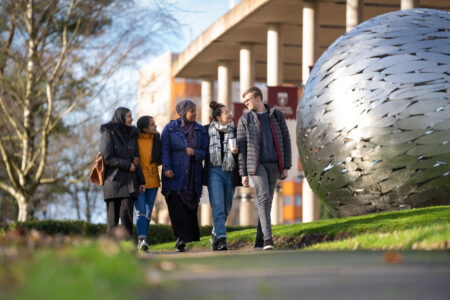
<point x="292" y="206"/>
<point x="185" y="89"/>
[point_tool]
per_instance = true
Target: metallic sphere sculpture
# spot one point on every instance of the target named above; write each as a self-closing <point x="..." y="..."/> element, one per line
<point x="373" y="124"/>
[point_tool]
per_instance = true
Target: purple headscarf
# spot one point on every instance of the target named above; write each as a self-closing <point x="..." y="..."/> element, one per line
<point x="186" y="126"/>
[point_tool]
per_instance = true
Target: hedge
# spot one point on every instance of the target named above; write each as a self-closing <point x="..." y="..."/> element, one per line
<point x="157" y="233"/>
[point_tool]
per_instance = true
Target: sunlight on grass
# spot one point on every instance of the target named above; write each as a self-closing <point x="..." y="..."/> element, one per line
<point x="434" y="237"/>
<point x="404" y="222"/>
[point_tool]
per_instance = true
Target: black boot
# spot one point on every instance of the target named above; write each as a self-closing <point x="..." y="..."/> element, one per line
<point x="180" y="245"/>
<point x="222" y="244"/>
<point x="259" y="243"/>
<point x="213" y="242"/>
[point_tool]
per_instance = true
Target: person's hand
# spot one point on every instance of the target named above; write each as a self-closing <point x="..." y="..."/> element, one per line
<point x="190" y="151"/>
<point x="132" y="168"/>
<point x="284" y="174"/>
<point x="245" y="181"/>
<point x="235" y="150"/>
<point x="142" y="188"/>
<point x="168" y="174"/>
<point x="136" y="161"/>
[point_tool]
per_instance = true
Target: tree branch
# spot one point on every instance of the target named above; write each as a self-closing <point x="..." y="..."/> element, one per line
<point x="9" y="41"/>
<point x="8" y="166"/>
<point x="64" y="43"/>
<point x="10" y="118"/>
<point x="9" y="189"/>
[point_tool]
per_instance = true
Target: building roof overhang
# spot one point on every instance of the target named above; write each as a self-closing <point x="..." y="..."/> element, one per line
<point x="247" y="23"/>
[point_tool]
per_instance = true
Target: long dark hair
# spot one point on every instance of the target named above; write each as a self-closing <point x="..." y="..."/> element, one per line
<point x="143" y="123"/>
<point x="216" y="109"/>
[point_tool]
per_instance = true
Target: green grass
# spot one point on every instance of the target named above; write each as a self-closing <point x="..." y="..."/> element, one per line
<point x="407" y="229"/>
<point x="92" y="270"/>
<point x="44" y="267"/>
<point x="433" y="237"/>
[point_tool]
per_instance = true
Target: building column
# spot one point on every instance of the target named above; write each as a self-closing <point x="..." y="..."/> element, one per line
<point x="246" y="68"/>
<point x="353" y="14"/>
<point x="275" y="78"/>
<point x="207" y="96"/>
<point x="408" y="4"/>
<point x="205" y="214"/>
<point x="276" y="214"/>
<point x="274" y="55"/>
<point x="309" y="44"/>
<point x="246" y="207"/>
<point x="224" y="83"/>
<point x="310" y="203"/>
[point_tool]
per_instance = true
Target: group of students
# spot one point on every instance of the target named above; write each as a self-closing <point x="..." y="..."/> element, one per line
<point x="218" y="155"/>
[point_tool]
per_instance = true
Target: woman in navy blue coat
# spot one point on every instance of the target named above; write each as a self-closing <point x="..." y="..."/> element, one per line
<point x="184" y="143"/>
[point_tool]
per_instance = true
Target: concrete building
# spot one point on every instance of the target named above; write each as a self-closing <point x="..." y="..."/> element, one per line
<point x="275" y="43"/>
<point x="158" y="94"/>
<point x="159" y="91"/>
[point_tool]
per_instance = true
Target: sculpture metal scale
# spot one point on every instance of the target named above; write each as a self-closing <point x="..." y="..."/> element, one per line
<point x="373" y="124"/>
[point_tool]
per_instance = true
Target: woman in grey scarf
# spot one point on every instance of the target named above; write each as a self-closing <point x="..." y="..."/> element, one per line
<point x="220" y="164"/>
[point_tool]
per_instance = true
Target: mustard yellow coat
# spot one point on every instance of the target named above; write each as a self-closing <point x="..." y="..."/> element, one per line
<point x="150" y="169"/>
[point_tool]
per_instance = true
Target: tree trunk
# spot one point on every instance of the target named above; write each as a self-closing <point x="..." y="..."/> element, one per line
<point x="26" y="208"/>
<point x="87" y="203"/>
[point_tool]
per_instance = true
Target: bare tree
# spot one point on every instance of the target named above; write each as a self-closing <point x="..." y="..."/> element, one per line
<point x="55" y="57"/>
<point x="78" y="191"/>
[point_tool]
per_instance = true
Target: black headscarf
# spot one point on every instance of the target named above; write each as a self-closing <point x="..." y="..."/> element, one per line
<point x="119" y="118"/>
<point x="186" y="126"/>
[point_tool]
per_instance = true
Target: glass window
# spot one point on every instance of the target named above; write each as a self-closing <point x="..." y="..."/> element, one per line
<point x="287" y="200"/>
<point x="298" y="200"/>
<point x="298" y="220"/>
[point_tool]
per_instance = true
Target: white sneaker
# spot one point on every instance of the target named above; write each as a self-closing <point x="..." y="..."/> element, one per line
<point x="142" y="245"/>
<point x="268" y="245"/>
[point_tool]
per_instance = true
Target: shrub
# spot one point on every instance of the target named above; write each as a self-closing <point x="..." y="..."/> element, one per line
<point x="61" y="227"/>
<point x="157" y="233"/>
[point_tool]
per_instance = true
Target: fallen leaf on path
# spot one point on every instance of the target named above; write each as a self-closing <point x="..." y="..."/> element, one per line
<point x="392" y="257"/>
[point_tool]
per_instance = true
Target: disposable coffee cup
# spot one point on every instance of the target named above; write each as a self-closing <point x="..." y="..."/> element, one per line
<point x="231" y="143"/>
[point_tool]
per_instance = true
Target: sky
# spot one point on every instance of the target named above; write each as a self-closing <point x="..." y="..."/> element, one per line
<point x="194" y="16"/>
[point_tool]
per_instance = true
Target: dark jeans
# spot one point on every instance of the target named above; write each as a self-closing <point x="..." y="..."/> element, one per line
<point x="119" y="208"/>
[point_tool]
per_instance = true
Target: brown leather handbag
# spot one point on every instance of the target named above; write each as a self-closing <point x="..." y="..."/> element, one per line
<point x="98" y="171"/>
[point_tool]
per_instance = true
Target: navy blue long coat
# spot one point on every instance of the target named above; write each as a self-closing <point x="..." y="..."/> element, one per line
<point x="175" y="158"/>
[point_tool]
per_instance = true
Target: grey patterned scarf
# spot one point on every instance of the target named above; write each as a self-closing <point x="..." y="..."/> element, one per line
<point x="215" y="147"/>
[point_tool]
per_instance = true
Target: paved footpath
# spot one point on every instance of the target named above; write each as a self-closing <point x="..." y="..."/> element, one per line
<point x="293" y="274"/>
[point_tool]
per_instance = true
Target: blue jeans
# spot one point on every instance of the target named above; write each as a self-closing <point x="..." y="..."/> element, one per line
<point x="144" y="207"/>
<point x="221" y="193"/>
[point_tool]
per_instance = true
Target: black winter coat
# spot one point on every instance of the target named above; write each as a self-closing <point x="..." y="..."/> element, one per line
<point x="118" y="154"/>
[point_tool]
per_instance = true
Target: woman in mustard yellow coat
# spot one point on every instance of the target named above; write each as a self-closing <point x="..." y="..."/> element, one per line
<point x="149" y="142"/>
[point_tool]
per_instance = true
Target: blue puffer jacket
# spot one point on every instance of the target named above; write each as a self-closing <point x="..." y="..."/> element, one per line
<point x="175" y="158"/>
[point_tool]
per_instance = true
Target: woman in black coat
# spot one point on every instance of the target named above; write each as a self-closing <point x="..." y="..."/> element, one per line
<point x="123" y="175"/>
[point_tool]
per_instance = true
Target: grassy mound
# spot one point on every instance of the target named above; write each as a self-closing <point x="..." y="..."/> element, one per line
<point x="424" y="228"/>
